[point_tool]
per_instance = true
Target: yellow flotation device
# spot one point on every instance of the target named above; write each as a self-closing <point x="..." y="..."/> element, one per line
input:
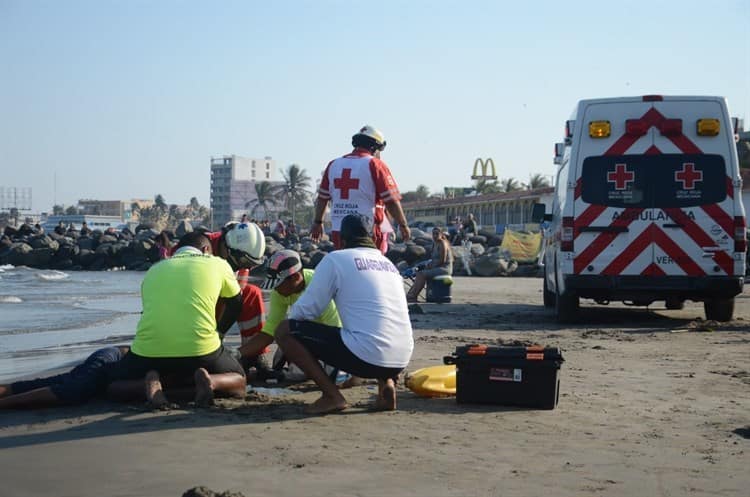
<point x="434" y="381"/>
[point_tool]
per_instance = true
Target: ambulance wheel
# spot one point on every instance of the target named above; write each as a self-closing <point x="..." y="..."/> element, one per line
<point x="566" y="308"/>
<point x="549" y="297"/>
<point x="675" y="304"/>
<point x="719" y="309"/>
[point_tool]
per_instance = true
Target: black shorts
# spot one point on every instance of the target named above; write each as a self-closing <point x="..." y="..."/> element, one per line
<point x="133" y="366"/>
<point x="325" y="344"/>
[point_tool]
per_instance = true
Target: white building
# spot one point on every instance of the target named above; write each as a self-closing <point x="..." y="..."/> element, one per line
<point x="233" y="180"/>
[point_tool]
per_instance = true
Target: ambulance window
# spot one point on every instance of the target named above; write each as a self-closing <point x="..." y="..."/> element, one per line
<point x="654" y="181"/>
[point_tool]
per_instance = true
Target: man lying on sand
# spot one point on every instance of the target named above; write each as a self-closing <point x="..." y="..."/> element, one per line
<point x="375" y="340"/>
<point x="80" y="384"/>
<point x="177" y="333"/>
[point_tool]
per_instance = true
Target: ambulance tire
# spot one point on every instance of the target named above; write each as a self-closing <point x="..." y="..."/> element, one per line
<point x="549" y="297"/>
<point x="566" y="308"/>
<point x="719" y="309"/>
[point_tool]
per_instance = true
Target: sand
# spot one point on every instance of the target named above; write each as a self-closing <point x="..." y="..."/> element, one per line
<point x="652" y="403"/>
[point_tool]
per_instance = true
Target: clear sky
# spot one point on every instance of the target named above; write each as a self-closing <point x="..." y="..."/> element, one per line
<point x="127" y="99"/>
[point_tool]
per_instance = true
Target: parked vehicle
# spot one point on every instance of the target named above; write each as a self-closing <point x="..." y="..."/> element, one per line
<point x="647" y="207"/>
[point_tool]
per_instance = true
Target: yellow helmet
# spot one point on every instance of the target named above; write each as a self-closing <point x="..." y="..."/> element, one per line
<point x="369" y="137"/>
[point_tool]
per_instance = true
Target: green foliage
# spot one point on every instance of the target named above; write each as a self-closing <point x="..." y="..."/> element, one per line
<point x="265" y="196"/>
<point x="296" y="189"/>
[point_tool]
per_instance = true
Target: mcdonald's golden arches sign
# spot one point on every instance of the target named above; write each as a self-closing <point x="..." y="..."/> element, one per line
<point x="479" y="163"/>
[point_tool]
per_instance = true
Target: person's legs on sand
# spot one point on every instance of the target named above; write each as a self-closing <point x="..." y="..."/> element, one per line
<point x="154" y="393"/>
<point x="386" y="400"/>
<point x="204" y="391"/>
<point x="331" y="399"/>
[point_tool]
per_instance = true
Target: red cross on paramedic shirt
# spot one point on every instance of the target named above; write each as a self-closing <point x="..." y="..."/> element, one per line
<point x="346" y="183"/>
<point x="688" y="176"/>
<point x="621" y="176"/>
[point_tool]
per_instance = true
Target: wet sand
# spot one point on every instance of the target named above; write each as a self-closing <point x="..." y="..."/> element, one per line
<point x="652" y="402"/>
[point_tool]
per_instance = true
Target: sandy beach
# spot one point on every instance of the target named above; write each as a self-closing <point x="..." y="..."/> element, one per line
<point x="652" y="403"/>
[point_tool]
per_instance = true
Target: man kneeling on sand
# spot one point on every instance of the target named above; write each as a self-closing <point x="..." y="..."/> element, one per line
<point x="177" y="334"/>
<point x="375" y="340"/>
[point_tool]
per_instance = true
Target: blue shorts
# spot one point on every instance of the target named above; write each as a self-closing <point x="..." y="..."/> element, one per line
<point x="81" y="383"/>
<point x="325" y="344"/>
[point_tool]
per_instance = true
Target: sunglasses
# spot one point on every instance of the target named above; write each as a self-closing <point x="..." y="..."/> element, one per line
<point x="242" y="260"/>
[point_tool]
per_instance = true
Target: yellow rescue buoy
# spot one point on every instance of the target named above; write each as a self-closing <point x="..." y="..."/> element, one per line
<point x="434" y="381"/>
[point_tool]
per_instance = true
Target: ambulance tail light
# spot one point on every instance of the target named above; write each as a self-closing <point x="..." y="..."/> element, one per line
<point x="600" y="129"/>
<point x="671" y="127"/>
<point x="740" y="236"/>
<point x="708" y="127"/>
<point x="566" y="238"/>
<point x="636" y="127"/>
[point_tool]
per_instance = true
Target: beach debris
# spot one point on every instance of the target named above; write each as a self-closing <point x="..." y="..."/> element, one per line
<point x="207" y="492"/>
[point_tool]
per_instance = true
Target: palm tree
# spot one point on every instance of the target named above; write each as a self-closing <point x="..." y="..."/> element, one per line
<point x="296" y="188"/>
<point x="537" y="181"/>
<point x="265" y="195"/>
<point x="422" y="192"/>
<point x="509" y="185"/>
<point x="485" y="186"/>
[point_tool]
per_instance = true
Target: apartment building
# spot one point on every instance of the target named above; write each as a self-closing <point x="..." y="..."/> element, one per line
<point x="233" y="180"/>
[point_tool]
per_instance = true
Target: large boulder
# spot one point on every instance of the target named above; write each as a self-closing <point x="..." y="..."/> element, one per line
<point x="44" y="241"/>
<point x="183" y="227"/>
<point x="39" y="258"/>
<point x="18" y="254"/>
<point x="86" y="243"/>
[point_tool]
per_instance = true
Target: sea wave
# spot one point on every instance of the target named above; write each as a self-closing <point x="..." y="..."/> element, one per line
<point x="10" y="299"/>
<point x="6" y="267"/>
<point x="52" y="275"/>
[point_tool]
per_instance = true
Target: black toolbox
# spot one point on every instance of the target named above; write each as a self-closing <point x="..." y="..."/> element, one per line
<point x="507" y="375"/>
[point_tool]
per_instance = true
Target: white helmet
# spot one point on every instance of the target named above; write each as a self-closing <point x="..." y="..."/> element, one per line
<point x="246" y="245"/>
<point x="375" y="137"/>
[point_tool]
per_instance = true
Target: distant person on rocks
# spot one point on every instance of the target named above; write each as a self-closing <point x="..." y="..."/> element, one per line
<point x="280" y="229"/>
<point x="178" y="336"/>
<point x="441" y="263"/>
<point x="375" y="340"/>
<point x="82" y="383"/>
<point x="360" y="183"/>
<point x="244" y="218"/>
<point x="163" y="245"/>
<point x="85" y="229"/>
<point x="60" y="228"/>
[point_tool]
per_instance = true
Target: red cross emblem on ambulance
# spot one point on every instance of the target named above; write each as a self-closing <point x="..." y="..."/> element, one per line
<point x="688" y="176"/>
<point x="621" y="176"/>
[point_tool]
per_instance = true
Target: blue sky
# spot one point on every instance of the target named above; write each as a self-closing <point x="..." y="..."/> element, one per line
<point x="126" y="99"/>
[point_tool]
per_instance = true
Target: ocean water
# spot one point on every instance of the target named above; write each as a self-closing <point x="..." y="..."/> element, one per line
<point x="53" y="319"/>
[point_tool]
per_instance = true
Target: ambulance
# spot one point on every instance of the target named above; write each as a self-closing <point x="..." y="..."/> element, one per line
<point x="647" y="207"/>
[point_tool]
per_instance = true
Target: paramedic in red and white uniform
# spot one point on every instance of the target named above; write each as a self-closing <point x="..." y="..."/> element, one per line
<point x="243" y="245"/>
<point x="360" y="183"/>
<point x="375" y="339"/>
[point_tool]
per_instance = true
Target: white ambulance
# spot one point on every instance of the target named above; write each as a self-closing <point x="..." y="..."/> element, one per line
<point x="647" y="207"/>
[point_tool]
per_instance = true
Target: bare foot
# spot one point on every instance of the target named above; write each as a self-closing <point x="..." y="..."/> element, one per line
<point x="352" y="381"/>
<point x="204" y="392"/>
<point x="154" y="394"/>
<point x="326" y="405"/>
<point x="386" y="396"/>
